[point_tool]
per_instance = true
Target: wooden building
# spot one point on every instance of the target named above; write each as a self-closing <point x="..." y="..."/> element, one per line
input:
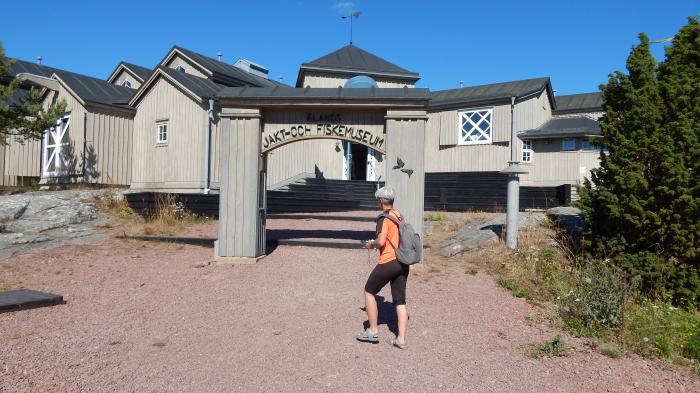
<point x="159" y="130"/>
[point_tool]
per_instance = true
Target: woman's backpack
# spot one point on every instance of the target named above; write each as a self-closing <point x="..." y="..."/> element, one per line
<point x="410" y="249"/>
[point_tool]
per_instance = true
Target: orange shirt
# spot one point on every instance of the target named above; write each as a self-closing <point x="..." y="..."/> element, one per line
<point x="388" y="251"/>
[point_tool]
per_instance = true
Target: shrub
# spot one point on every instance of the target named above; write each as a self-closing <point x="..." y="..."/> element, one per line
<point x="554" y="347"/>
<point x="597" y="300"/>
<point x="657" y="329"/>
<point x="436" y="216"/>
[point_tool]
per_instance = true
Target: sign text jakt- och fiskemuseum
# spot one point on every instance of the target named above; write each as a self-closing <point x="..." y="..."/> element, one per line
<point x="315" y="126"/>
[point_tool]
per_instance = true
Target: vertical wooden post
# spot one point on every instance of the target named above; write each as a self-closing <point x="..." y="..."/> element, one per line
<point x="405" y="139"/>
<point x="240" y="224"/>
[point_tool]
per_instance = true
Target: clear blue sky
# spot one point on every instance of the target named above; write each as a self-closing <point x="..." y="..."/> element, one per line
<point x="576" y="43"/>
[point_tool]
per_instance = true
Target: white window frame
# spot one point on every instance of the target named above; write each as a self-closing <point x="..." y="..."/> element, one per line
<point x="159" y="125"/>
<point x="465" y="119"/>
<point x="181" y="69"/>
<point x="126" y="83"/>
<point x="528" y="151"/>
<point x="564" y="144"/>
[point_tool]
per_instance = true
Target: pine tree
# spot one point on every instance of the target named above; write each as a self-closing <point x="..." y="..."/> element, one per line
<point x="23" y="117"/>
<point x="641" y="205"/>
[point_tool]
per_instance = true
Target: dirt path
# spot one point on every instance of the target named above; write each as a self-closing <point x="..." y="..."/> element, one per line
<point x="144" y="317"/>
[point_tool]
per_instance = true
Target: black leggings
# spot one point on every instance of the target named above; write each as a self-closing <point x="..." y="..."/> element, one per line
<point x="394" y="272"/>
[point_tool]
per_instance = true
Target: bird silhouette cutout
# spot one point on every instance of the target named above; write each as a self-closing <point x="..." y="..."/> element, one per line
<point x="409" y="172"/>
<point x="399" y="163"/>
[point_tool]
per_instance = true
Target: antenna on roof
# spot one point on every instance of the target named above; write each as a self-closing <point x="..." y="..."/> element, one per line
<point x="219" y="54"/>
<point x="39" y="59"/>
<point x="281" y="78"/>
<point x="461" y="84"/>
<point x="354" y="15"/>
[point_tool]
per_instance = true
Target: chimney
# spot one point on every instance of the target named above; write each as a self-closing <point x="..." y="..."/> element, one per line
<point x="219" y="55"/>
<point x="39" y="59"/>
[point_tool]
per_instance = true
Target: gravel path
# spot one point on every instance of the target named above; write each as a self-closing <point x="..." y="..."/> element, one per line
<point x="147" y="317"/>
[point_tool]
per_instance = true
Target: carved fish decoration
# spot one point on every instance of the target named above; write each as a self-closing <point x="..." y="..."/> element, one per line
<point x="399" y="163"/>
<point x="409" y="172"/>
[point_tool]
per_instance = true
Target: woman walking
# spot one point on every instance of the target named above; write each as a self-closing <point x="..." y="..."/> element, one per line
<point x="388" y="270"/>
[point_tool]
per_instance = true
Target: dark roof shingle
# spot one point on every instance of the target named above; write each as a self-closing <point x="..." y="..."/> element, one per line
<point x="350" y="58"/>
<point x="202" y="87"/>
<point x="325" y="93"/>
<point x="573" y="103"/>
<point x="227" y="70"/>
<point x="487" y="93"/>
<point x="96" y="90"/>
<point x="564" y="126"/>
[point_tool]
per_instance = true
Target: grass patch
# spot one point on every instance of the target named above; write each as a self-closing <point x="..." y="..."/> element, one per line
<point x="471" y="271"/>
<point x="611" y="350"/>
<point x="514" y="289"/>
<point x="436" y="217"/>
<point x="112" y="343"/>
<point x="554" y="347"/>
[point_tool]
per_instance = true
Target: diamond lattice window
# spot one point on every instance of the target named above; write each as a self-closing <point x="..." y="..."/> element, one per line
<point x="475" y="127"/>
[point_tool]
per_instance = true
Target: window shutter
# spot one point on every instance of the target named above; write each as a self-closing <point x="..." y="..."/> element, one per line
<point x="449" y="127"/>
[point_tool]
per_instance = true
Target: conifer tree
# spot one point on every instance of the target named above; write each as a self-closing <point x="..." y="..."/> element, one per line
<point x="22" y="115"/>
<point x="641" y="205"/>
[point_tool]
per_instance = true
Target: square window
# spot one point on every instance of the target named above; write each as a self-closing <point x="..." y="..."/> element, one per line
<point x="475" y="127"/>
<point x="568" y="144"/>
<point x="162" y="133"/>
<point x="527" y="151"/>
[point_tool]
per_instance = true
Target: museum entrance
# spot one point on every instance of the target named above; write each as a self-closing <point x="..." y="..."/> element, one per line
<point x="366" y="127"/>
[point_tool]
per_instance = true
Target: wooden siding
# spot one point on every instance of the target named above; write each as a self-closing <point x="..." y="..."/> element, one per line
<point x="551" y="166"/>
<point x="108" y="144"/>
<point x="318" y="79"/>
<point x="178" y="164"/>
<point x="22" y="159"/>
<point x="190" y="67"/>
<point x="443" y="154"/>
<point x="124" y="75"/>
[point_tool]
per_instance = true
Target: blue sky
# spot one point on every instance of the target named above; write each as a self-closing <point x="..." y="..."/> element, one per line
<point x="576" y="43"/>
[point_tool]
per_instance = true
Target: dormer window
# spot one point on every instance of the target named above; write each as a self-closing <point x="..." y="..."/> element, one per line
<point x="126" y="83"/>
<point x="180" y="68"/>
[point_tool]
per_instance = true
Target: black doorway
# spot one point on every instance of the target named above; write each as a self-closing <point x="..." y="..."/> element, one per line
<point x="359" y="162"/>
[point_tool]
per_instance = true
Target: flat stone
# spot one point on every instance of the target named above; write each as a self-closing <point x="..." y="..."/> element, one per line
<point x="12" y="208"/>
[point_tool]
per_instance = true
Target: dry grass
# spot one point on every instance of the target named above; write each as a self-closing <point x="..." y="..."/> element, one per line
<point x="168" y="217"/>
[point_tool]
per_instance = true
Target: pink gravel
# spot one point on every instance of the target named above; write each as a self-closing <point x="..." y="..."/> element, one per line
<point x="286" y="324"/>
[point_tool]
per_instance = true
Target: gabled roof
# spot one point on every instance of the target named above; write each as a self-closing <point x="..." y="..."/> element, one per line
<point x="140" y="73"/>
<point x="563" y="127"/>
<point x="89" y="89"/>
<point x="491" y="93"/>
<point x="353" y="60"/>
<point x="221" y="72"/>
<point x="578" y="103"/>
<point x="197" y="88"/>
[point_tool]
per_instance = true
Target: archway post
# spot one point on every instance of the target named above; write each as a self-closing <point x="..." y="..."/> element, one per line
<point x="405" y="149"/>
<point x="242" y="199"/>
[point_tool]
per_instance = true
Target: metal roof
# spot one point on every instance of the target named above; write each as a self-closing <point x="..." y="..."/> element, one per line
<point x="18" y="96"/>
<point x="564" y="126"/>
<point x="202" y="87"/>
<point x="26" y="67"/>
<point x="141" y="72"/>
<point x="352" y="59"/>
<point x="220" y="68"/>
<point x="95" y="90"/>
<point x="325" y="93"/>
<point x="573" y="103"/>
<point x="488" y="93"/>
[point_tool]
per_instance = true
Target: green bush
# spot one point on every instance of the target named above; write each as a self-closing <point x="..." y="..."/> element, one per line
<point x="657" y="329"/>
<point x="641" y="206"/>
<point x="597" y="300"/>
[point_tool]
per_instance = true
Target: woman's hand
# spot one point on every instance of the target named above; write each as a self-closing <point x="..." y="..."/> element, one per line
<point x="369" y="244"/>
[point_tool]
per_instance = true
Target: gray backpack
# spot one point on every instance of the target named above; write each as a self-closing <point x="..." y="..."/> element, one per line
<point x="410" y="249"/>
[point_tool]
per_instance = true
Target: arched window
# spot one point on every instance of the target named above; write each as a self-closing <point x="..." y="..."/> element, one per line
<point x="180" y="68"/>
<point x="126" y="83"/>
